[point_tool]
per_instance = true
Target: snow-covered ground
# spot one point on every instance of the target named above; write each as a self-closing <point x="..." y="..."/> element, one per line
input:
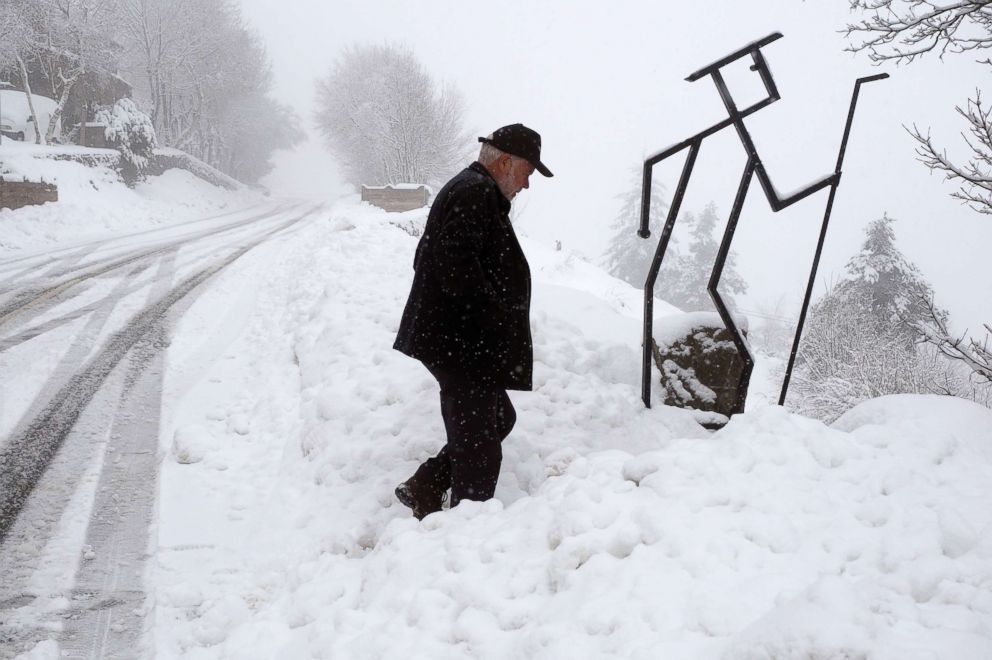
<point x="616" y="532"/>
<point x="94" y="204"/>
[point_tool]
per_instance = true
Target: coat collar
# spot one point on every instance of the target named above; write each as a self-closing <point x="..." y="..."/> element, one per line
<point x="504" y="203"/>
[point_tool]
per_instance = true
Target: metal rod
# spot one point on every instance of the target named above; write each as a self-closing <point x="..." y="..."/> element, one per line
<point x="659" y="255"/>
<point x="777" y="203"/>
<point x="746" y="141"/>
<point x="761" y="66"/>
<point x="721" y="259"/>
<point x="754" y="167"/>
<point x="644" y="231"/>
<point x="823" y="233"/>
<point x="736" y="55"/>
<point x="715" y="128"/>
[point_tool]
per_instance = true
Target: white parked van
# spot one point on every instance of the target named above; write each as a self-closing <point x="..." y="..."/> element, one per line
<point x="15" y="114"/>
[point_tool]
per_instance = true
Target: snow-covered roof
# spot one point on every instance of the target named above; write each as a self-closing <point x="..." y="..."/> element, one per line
<point x="399" y="186"/>
<point x="14" y="102"/>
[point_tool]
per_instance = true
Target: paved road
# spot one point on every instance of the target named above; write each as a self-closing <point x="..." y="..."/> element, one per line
<point x="79" y="468"/>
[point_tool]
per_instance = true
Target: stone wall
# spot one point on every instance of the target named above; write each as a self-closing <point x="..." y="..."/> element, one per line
<point x="108" y="158"/>
<point x="15" y="194"/>
<point x="396" y="200"/>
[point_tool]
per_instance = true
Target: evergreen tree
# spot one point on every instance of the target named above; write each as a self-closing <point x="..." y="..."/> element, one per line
<point x="893" y="286"/>
<point x="859" y="341"/>
<point x="683" y="277"/>
<point x="629" y="256"/>
<point x="691" y="274"/>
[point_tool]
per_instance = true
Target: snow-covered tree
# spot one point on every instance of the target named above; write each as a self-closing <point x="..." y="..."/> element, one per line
<point x="69" y="37"/>
<point x="859" y="340"/>
<point x="254" y="126"/>
<point x="21" y="44"/>
<point x="974" y="354"/>
<point x="169" y="46"/>
<point x="849" y="355"/>
<point x="691" y="272"/>
<point x="628" y="256"/>
<point x="232" y="122"/>
<point x="896" y="290"/>
<point x="684" y="275"/>
<point x="388" y="121"/>
<point x="130" y="131"/>
<point x="205" y="79"/>
<point x="904" y="31"/>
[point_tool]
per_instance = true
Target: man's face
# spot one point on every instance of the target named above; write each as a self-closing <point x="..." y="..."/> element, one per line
<point x="515" y="175"/>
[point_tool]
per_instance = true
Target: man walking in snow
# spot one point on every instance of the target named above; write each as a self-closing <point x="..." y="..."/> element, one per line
<point x="468" y="318"/>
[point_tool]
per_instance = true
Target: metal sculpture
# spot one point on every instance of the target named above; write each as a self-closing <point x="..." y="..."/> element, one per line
<point x="753" y="167"/>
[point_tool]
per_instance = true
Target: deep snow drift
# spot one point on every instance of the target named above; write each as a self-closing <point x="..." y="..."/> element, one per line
<point x="617" y="532"/>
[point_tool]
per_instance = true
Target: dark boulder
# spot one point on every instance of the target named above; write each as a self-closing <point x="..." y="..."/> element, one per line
<point x="700" y="367"/>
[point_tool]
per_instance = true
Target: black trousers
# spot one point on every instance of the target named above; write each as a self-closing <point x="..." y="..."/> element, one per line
<point x="477" y="418"/>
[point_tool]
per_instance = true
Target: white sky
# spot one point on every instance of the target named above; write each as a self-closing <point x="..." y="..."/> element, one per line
<point x="604" y="85"/>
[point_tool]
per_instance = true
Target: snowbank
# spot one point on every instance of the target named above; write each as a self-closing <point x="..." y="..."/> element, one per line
<point x="94" y="204"/>
<point x="616" y="532"/>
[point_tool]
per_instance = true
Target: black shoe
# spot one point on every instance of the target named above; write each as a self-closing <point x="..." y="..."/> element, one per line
<point x="423" y="500"/>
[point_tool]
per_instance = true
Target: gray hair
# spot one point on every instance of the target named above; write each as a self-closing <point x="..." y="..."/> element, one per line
<point x="489" y="154"/>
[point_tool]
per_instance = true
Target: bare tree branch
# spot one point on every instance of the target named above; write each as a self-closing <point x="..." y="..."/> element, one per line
<point x="977" y="356"/>
<point x="903" y="30"/>
<point x="975" y="175"/>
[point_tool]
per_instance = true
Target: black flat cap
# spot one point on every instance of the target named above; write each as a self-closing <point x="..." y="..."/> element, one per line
<point x="518" y="140"/>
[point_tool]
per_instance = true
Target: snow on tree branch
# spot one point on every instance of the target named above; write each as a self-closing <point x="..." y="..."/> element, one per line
<point x="903" y="30"/>
<point x="131" y="132"/>
<point x="975" y="175"/>
<point x="977" y="356"/>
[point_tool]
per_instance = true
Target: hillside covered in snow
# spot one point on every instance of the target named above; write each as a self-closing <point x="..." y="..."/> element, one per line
<point x="616" y="531"/>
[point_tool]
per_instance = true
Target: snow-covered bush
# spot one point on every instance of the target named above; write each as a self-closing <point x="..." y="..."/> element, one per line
<point x="846" y="359"/>
<point x="859" y="342"/>
<point x="848" y="355"/>
<point x="131" y="132"/>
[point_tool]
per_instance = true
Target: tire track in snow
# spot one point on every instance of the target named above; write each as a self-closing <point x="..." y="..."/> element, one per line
<point x="105" y="619"/>
<point x="88" y="246"/>
<point x="35" y="331"/>
<point x="24" y="458"/>
<point x="38" y="299"/>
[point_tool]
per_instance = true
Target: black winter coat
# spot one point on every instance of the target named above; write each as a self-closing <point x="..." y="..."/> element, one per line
<point x="469" y="306"/>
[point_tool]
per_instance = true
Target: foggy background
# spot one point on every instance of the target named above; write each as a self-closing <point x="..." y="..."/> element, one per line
<point x="604" y="85"/>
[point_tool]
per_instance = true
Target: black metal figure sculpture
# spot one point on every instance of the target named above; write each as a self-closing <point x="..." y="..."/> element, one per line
<point x="753" y="167"/>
